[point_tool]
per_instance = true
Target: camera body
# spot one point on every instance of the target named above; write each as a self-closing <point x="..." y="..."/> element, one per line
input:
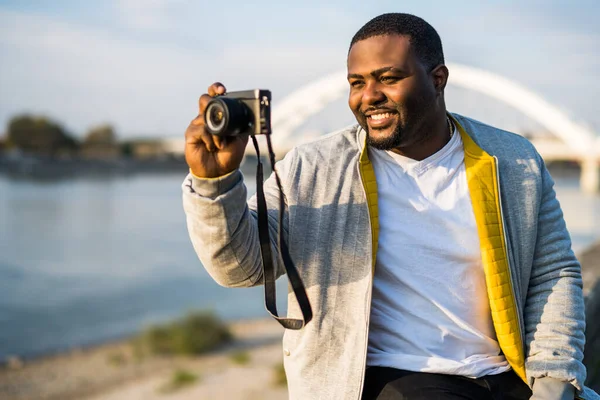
<point x="239" y="113"/>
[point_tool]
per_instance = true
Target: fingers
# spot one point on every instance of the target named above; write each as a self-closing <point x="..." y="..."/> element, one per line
<point x="196" y="136"/>
<point x="219" y="141"/>
<point x="216" y="88"/>
<point x="202" y="102"/>
<point x="198" y="122"/>
<point x="208" y="141"/>
<point x="196" y="130"/>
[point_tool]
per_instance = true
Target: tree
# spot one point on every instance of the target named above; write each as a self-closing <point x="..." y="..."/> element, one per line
<point x="101" y="143"/>
<point x="101" y="135"/>
<point x="38" y="134"/>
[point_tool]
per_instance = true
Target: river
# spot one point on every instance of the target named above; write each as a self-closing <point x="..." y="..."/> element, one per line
<point x="84" y="261"/>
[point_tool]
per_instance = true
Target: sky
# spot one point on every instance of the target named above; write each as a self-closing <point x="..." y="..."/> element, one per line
<point x="141" y="65"/>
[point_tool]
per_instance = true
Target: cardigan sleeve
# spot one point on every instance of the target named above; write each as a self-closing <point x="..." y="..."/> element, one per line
<point x="223" y="226"/>
<point x="554" y="309"/>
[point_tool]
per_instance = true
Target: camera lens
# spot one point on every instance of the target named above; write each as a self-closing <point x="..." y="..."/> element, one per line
<point x="227" y="117"/>
<point x="215" y="116"/>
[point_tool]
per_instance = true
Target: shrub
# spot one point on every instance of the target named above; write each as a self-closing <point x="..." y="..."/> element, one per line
<point x="279" y="378"/>
<point x="240" y="357"/>
<point x="196" y="333"/>
<point x="116" y="358"/>
<point x="180" y="379"/>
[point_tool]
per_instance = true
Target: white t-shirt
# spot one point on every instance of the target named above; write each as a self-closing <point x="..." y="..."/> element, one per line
<point x="430" y="310"/>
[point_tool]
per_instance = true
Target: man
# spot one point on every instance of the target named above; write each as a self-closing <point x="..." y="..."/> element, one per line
<point x="432" y="246"/>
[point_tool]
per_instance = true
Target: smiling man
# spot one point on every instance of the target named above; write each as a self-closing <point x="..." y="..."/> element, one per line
<point x="391" y="93"/>
<point x="432" y="246"/>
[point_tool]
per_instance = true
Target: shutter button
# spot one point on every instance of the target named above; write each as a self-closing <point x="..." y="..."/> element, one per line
<point x="286" y="352"/>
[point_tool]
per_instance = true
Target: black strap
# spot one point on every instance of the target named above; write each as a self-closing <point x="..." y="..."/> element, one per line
<point x="266" y="254"/>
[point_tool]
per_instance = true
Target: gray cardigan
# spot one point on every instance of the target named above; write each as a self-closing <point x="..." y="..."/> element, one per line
<point x="327" y="226"/>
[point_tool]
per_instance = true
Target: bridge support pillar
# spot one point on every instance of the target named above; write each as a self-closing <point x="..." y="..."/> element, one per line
<point x="590" y="175"/>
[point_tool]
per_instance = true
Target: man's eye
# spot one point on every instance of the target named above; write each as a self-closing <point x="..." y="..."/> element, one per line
<point x="356" y="83"/>
<point x="390" y="79"/>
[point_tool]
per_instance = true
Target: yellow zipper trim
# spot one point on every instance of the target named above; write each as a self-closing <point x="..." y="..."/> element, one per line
<point x="367" y="176"/>
<point x="483" y="185"/>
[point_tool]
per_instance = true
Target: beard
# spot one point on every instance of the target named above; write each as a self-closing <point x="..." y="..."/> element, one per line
<point x="388" y="143"/>
<point x="407" y="131"/>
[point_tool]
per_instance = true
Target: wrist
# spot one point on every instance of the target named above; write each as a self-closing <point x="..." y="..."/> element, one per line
<point x="210" y="175"/>
<point x="551" y="388"/>
<point x="214" y="187"/>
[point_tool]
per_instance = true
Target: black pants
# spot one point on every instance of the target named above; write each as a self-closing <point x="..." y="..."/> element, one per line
<point x="383" y="383"/>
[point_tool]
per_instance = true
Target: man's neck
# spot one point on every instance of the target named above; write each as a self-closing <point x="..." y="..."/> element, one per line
<point x="429" y="144"/>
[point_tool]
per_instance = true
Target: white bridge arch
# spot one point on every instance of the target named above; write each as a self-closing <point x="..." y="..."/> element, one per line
<point x="292" y="111"/>
<point x="576" y="139"/>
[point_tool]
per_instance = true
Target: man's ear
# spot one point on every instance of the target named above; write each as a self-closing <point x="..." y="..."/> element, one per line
<point x="440" y="77"/>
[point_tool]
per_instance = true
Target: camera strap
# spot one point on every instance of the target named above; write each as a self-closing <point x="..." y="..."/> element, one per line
<point x="267" y="255"/>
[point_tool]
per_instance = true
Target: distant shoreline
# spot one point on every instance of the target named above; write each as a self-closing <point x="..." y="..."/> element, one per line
<point x="37" y="168"/>
<point x="40" y="168"/>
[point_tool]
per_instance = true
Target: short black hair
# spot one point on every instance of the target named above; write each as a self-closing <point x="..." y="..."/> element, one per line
<point x="424" y="39"/>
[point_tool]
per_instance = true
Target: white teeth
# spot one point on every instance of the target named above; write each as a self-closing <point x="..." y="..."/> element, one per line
<point x="380" y="116"/>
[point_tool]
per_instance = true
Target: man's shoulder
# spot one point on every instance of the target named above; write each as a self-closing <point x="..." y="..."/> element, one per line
<point x="496" y="141"/>
<point x="334" y="144"/>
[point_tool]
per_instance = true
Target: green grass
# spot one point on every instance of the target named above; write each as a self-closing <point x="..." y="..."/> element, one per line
<point x="116" y="359"/>
<point x="279" y="378"/>
<point x="179" y="380"/>
<point x="240" y="357"/>
<point x="194" y="334"/>
<point x="138" y="349"/>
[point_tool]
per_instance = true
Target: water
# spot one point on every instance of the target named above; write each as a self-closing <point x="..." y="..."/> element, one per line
<point x="83" y="261"/>
<point x="581" y="211"/>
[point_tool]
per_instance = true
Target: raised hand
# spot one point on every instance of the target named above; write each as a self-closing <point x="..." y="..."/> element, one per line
<point x="211" y="156"/>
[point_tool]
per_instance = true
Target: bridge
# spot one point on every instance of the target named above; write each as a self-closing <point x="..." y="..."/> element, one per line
<point x="569" y="140"/>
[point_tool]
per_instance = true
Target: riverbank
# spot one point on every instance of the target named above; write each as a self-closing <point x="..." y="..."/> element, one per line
<point x="249" y="368"/>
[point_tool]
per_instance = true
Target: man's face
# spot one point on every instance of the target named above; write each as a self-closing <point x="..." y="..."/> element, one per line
<point x="392" y="95"/>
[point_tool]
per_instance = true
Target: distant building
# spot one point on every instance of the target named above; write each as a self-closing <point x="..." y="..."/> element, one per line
<point x="98" y="151"/>
<point x="147" y="149"/>
<point x="174" y="146"/>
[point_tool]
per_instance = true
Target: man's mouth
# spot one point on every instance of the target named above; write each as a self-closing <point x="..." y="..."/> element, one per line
<point x="381" y="119"/>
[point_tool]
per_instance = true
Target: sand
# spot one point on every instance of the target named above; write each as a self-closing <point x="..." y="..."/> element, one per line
<point x="112" y="372"/>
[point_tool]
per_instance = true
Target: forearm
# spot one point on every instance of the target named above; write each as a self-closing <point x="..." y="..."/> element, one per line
<point x="555" y="339"/>
<point x="222" y="229"/>
<point x="554" y="310"/>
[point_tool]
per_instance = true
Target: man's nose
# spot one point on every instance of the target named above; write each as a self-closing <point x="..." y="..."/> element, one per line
<point x="372" y="94"/>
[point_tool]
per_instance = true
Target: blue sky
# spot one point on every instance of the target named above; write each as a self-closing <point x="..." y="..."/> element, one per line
<point x="141" y="64"/>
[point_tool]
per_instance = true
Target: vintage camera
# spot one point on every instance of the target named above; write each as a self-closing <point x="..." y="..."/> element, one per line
<point x="238" y="113"/>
